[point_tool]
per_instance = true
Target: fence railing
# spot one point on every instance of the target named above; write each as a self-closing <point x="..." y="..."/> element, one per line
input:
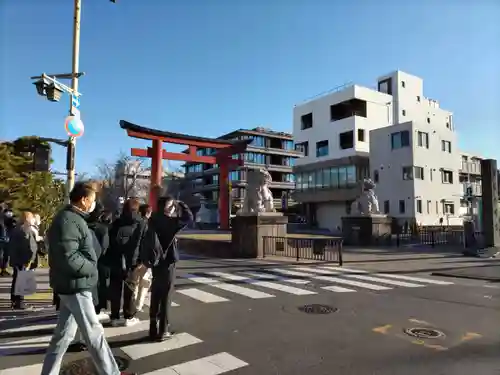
<point x="432" y="236"/>
<point x="327" y="249"/>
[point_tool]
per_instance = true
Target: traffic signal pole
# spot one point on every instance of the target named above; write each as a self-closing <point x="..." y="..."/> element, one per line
<point x="70" y="155"/>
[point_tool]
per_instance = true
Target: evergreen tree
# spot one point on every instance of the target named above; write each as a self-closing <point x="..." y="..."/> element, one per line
<point x="22" y="189"/>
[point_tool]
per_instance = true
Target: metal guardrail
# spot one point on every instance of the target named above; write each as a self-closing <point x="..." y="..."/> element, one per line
<point x="328" y="249"/>
<point x="433" y="236"/>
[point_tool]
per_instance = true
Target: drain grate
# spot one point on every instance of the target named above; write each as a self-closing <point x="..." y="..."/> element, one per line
<point x="122" y="363"/>
<point x="318" y="309"/>
<point x="85" y="366"/>
<point x="424" y="333"/>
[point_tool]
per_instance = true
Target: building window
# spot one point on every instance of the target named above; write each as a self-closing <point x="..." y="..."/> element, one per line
<point x="423" y="139"/>
<point x="449" y="209"/>
<point x="429" y="203"/>
<point x="402" y="206"/>
<point x="303" y="147"/>
<point x="321" y="148"/>
<point x="361" y="135"/>
<point x="428" y="120"/>
<point x="258" y="141"/>
<point x="385" y="86"/>
<point x="418" y="98"/>
<point x="407" y="173"/>
<point x="375" y="176"/>
<point x="419" y="206"/>
<point x="400" y="139"/>
<point x="403" y="84"/>
<point x="447" y="124"/>
<point x="346" y="140"/>
<point x="306" y="121"/>
<point x="447" y="177"/>
<point x="349" y="108"/>
<point x="403" y="112"/>
<point x="327" y="181"/>
<point x="387" y="207"/>
<point x="419" y="173"/>
<point x="446" y="146"/>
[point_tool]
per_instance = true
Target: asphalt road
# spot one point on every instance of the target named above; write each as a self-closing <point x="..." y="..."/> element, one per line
<point x="257" y="326"/>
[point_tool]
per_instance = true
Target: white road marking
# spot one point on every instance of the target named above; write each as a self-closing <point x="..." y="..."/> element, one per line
<point x="264" y="284"/>
<point x="416" y="279"/>
<point x="35" y="369"/>
<point x="177" y="341"/>
<point x="41" y="342"/>
<point x="385" y="281"/>
<point x="338" y="289"/>
<point x="351" y="282"/>
<point x="290" y="273"/>
<point x="39" y="327"/>
<point x="316" y="270"/>
<point x="269" y="276"/>
<point x="201" y="295"/>
<point x="254" y="294"/>
<point x="212" y="365"/>
<point x="343" y="269"/>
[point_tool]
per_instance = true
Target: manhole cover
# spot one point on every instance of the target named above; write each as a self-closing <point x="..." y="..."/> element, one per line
<point x="424" y="333"/>
<point x="317" y="309"/>
<point x="86" y="367"/>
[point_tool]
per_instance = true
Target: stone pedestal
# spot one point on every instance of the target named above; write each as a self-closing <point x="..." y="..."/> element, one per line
<point x="362" y="230"/>
<point x="249" y="229"/>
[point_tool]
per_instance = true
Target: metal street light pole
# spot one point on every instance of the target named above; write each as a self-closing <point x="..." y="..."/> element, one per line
<point x="70" y="156"/>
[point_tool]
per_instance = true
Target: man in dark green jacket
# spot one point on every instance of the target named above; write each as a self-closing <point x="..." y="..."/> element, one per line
<point x="73" y="276"/>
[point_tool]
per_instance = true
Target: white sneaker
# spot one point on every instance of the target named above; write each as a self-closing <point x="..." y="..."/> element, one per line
<point x="116" y="322"/>
<point x="132" y="321"/>
<point x="103" y="317"/>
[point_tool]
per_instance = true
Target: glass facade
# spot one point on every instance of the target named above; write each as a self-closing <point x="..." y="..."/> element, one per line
<point x="288" y="145"/>
<point x="332" y="178"/>
<point x="235" y="175"/>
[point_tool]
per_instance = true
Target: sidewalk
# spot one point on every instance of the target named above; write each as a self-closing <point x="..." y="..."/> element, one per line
<point x="39" y="302"/>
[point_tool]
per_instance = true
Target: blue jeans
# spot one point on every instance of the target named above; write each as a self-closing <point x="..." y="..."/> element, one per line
<point x="78" y="312"/>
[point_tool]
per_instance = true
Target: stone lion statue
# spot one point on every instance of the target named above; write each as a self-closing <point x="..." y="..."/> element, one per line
<point x="258" y="197"/>
<point x="367" y="203"/>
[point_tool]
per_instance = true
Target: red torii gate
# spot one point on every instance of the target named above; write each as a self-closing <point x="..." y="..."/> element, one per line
<point x="223" y="157"/>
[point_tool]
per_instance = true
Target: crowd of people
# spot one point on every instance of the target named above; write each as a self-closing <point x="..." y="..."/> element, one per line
<point x="96" y="262"/>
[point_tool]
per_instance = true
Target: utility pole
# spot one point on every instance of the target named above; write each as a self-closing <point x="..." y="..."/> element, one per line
<point x="70" y="156"/>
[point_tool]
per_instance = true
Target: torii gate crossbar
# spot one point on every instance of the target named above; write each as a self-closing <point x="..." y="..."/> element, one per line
<point x="223" y="157"/>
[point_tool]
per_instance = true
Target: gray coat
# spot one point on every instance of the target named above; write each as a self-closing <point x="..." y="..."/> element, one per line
<point x="22" y="246"/>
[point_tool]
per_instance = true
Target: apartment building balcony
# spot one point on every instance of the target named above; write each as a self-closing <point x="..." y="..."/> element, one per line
<point x="275" y="151"/>
<point x="470" y="167"/>
<point x="476" y="189"/>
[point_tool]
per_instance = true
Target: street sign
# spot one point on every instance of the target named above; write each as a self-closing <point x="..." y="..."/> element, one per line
<point x="75" y="101"/>
<point x="74" y="126"/>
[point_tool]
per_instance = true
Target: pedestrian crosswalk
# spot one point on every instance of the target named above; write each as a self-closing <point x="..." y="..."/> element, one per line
<point x="129" y="340"/>
<point x="222" y="287"/>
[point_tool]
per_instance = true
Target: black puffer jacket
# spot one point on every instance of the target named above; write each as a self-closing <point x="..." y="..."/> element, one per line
<point x="159" y="248"/>
<point x="125" y="237"/>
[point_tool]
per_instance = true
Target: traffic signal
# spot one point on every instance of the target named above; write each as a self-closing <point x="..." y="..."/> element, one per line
<point x="41" y="158"/>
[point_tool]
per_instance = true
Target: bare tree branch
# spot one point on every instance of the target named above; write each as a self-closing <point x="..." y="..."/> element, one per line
<point x="124" y="178"/>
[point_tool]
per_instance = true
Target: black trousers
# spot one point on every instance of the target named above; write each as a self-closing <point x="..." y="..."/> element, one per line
<point x="4" y="256"/>
<point x="103" y="288"/>
<point x="162" y="289"/>
<point x="117" y="288"/>
<point x="16" y="300"/>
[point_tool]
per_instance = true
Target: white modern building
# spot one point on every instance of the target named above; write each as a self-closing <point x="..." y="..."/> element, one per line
<point x="404" y="141"/>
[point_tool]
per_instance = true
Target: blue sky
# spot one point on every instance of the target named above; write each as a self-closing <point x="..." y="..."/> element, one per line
<point x="206" y="67"/>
